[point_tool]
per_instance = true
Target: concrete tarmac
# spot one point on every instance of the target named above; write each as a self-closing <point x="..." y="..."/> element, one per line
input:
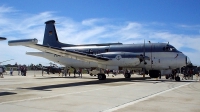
<point x="53" y="93"/>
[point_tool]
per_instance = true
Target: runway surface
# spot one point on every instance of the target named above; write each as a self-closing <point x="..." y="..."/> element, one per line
<point x="53" y="93"/>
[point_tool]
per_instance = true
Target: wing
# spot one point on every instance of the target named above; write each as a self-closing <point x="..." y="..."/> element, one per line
<point x="32" y="43"/>
<point x="113" y="58"/>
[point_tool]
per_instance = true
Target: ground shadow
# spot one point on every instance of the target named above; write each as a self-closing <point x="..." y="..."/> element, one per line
<point x="93" y="82"/>
<point x="96" y="81"/>
<point x="6" y="93"/>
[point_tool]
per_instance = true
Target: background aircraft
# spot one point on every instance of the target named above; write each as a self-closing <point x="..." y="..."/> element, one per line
<point x="153" y="58"/>
<point x="53" y="68"/>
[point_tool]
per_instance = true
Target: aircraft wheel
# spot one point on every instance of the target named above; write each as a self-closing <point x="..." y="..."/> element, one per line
<point x="127" y="75"/>
<point x="101" y="76"/>
<point x="177" y="78"/>
<point x="167" y="76"/>
<point x="91" y="74"/>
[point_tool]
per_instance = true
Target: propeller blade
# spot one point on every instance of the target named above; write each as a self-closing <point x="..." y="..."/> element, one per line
<point x="144" y="54"/>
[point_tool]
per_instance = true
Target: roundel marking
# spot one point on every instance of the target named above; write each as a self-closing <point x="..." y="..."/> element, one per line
<point x="118" y="57"/>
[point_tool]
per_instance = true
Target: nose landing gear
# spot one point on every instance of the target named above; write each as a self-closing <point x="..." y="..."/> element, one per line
<point x="177" y="78"/>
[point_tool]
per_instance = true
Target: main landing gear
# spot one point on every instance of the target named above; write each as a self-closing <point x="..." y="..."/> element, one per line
<point x="177" y="78"/>
<point x="170" y="76"/>
<point x="127" y="75"/>
<point x="101" y="76"/>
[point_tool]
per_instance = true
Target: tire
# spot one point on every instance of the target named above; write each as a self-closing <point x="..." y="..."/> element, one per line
<point x="177" y="78"/>
<point x="101" y="76"/>
<point x="154" y="73"/>
<point x="167" y="76"/>
<point x="127" y="75"/>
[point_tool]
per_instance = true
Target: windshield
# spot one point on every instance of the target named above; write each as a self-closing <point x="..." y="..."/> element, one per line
<point x="169" y="48"/>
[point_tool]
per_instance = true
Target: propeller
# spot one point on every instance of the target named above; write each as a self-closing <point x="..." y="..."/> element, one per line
<point x="144" y="54"/>
<point x="144" y="58"/>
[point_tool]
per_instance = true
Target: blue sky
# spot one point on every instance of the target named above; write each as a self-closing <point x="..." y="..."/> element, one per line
<point x="99" y="21"/>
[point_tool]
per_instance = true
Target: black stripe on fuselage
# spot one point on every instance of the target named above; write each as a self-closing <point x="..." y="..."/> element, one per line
<point x="134" y="48"/>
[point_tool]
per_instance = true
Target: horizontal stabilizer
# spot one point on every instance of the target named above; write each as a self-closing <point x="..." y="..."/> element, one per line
<point x="22" y="42"/>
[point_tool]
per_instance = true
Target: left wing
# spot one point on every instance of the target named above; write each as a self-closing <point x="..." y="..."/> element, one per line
<point x="32" y="43"/>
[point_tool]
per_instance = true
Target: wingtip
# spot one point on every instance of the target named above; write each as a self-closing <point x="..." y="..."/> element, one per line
<point x="2" y="38"/>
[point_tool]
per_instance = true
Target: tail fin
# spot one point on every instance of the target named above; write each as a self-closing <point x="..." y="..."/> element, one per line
<point x="50" y="36"/>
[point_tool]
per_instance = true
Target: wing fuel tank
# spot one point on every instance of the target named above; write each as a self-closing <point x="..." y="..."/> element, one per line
<point x="22" y="42"/>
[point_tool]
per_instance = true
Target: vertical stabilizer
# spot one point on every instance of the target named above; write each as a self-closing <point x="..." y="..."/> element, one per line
<point x="50" y="36"/>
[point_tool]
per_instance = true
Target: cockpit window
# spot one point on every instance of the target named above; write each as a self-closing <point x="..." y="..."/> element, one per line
<point x="169" y="48"/>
